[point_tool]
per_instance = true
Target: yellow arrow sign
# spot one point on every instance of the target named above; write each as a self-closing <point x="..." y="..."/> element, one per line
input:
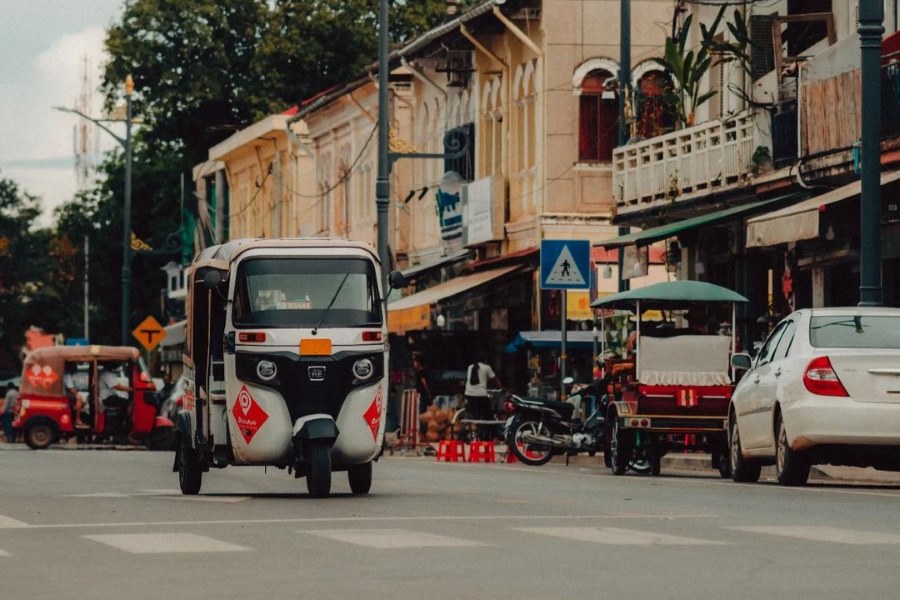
<point x="149" y="333"/>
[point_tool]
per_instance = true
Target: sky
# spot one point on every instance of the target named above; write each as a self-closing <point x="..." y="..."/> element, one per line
<point x="43" y="44"/>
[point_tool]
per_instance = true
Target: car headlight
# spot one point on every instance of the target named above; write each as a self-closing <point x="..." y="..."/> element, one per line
<point x="363" y="368"/>
<point x="266" y="370"/>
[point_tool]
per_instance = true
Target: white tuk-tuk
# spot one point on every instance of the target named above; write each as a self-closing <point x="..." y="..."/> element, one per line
<point x="285" y="361"/>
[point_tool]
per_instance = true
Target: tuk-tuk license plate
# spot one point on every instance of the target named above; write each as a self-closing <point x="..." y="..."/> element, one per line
<point x="315" y="347"/>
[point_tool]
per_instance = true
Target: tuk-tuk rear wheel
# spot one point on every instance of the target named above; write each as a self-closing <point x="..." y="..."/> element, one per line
<point x="318" y="470"/>
<point x="39" y="435"/>
<point x="360" y="477"/>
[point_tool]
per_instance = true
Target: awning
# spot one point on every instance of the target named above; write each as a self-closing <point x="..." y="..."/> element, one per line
<point x="552" y="339"/>
<point x="175" y="334"/>
<point x="654" y="234"/>
<point x="414" y="311"/>
<point x="416" y="270"/>
<point x="671" y="294"/>
<point x="801" y="221"/>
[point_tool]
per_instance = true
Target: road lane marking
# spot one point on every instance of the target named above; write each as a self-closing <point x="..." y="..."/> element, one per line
<point x="618" y="537"/>
<point x="824" y="534"/>
<point x="10" y="523"/>
<point x="357" y="520"/>
<point x="4" y="553"/>
<point x="165" y="543"/>
<point x="384" y="539"/>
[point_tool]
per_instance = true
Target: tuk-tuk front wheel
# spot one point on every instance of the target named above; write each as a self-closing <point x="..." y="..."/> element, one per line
<point x="318" y="469"/>
<point x="190" y="471"/>
<point x="39" y="435"/>
<point x="360" y="477"/>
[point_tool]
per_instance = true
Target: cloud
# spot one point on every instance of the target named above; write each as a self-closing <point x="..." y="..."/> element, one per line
<point x="33" y="132"/>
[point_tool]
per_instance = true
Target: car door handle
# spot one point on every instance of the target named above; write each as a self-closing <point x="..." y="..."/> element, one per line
<point x="777" y="372"/>
<point x="756" y="381"/>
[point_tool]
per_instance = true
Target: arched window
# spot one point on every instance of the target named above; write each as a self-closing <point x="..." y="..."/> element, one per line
<point x="597" y="118"/>
<point x="654" y="115"/>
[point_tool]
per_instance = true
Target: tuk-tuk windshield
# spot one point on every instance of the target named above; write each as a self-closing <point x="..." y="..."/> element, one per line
<point x="297" y="292"/>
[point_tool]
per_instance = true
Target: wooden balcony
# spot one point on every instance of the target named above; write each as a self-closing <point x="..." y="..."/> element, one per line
<point x="711" y="157"/>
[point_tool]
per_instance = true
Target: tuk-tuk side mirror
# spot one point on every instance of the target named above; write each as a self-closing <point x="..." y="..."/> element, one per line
<point x="741" y="360"/>
<point x="212" y="279"/>
<point x="397" y="280"/>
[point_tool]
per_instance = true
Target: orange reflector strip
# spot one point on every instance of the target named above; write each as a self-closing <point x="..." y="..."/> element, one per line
<point x="315" y="347"/>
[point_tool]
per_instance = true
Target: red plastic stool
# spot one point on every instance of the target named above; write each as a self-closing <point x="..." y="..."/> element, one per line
<point x="479" y="451"/>
<point x="451" y="451"/>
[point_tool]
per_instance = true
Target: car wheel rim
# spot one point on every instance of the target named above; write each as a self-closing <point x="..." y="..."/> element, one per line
<point x="782" y="443"/>
<point x="735" y="446"/>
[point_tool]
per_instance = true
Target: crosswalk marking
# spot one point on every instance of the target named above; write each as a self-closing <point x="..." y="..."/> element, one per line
<point x="392" y="538"/>
<point x="165" y="543"/>
<point x="618" y="537"/>
<point x="824" y="534"/>
<point x="4" y="553"/>
<point x="10" y="523"/>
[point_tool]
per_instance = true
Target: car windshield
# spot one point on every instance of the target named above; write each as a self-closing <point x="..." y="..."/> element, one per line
<point x="297" y="292"/>
<point x="855" y="331"/>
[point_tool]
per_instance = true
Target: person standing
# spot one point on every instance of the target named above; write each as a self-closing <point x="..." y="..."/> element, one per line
<point x="9" y="412"/>
<point x="423" y="389"/>
<point x="478" y="375"/>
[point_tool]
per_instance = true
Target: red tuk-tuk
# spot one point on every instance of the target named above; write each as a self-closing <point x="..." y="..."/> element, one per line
<point x="45" y="414"/>
<point x="673" y="391"/>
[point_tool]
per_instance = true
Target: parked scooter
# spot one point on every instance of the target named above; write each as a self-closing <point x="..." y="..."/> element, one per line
<point x="538" y="429"/>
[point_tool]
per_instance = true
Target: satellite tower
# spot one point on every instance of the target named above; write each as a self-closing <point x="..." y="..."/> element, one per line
<point x="86" y="140"/>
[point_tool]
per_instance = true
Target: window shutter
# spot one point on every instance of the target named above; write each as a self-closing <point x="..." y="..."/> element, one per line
<point x="762" y="57"/>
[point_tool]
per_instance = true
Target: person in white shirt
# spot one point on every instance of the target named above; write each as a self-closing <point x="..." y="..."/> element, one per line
<point x="478" y="401"/>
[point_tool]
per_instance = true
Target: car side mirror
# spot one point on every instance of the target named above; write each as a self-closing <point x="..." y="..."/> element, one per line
<point x="397" y="280"/>
<point x="212" y="279"/>
<point x="741" y="360"/>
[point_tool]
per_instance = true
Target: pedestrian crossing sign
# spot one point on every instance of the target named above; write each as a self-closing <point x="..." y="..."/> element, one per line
<point x="565" y="264"/>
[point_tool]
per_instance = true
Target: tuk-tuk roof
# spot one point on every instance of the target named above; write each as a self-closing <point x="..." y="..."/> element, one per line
<point x="43" y="370"/>
<point x="670" y="294"/>
<point x="221" y="256"/>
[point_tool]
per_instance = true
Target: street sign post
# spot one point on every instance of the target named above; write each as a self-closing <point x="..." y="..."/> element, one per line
<point x="149" y="333"/>
<point x="565" y="265"/>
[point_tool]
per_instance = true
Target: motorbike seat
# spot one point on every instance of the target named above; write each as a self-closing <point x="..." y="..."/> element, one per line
<point x="564" y="408"/>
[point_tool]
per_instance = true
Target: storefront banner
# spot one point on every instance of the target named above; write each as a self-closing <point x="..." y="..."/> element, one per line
<point x="478" y="198"/>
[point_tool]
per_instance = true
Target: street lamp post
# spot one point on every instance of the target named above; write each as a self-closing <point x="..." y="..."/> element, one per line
<point x="126" y="218"/>
<point x="871" y="16"/>
<point x="126" y="213"/>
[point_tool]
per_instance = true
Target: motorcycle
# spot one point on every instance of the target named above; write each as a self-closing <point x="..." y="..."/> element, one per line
<point x="539" y="429"/>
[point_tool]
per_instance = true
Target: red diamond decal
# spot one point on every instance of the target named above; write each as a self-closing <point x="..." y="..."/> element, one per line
<point x="373" y="414"/>
<point x="248" y="414"/>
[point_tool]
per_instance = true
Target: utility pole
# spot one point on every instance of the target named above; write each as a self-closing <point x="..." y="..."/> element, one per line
<point x="624" y="87"/>
<point x="870" y="29"/>
<point x="383" y="184"/>
<point x="126" y="218"/>
<point x="126" y="212"/>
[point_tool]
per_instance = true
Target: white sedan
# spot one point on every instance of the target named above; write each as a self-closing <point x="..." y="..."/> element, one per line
<point x="823" y="389"/>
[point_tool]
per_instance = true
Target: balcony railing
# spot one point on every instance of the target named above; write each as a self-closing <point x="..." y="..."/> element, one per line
<point x="713" y="156"/>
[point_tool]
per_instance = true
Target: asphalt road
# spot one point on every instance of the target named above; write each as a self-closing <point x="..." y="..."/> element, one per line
<point x="112" y="525"/>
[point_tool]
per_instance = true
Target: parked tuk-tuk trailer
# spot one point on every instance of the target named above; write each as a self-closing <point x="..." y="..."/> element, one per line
<point x="45" y="413"/>
<point x="673" y="393"/>
<point x="285" y="361"/>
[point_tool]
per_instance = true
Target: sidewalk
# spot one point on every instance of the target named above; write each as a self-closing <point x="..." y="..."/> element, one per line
<point x="703" y="463"/>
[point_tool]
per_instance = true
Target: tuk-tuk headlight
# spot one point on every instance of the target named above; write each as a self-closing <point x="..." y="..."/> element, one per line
<point x="363" y="368"/>
<point x="266" y="370"/>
